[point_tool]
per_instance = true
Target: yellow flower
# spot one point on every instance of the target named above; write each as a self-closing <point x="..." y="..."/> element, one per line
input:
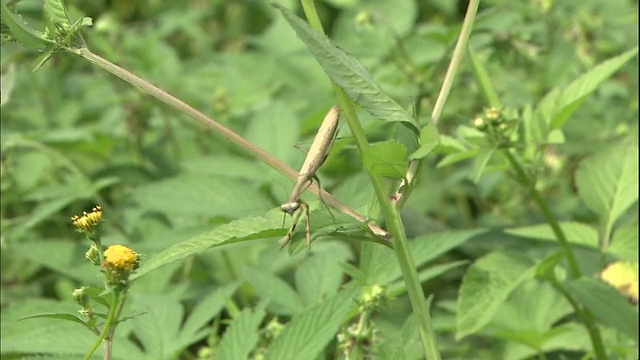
<point x="88" y="222"/>
<point x="120" y="257"/>
<point x="624" y="277"/>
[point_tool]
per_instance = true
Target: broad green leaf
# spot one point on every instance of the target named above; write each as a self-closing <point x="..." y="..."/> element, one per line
<point x="457" y="157"/>
<point x="624" y="244"/>
<point x="319" y="277"/>
<point x="568" y="335"/>
<point x="371" y="28"/>
<point x="608" y="181"/>
<point x="429" y="139"/>
<point x="158" y="329"/>
<point x="448" y="144"/>
<point x="202" y="195"/>
<point x="606" y="303"/>
<point x="64" y="257"/>
<point x="388" y="159"/>
<point x="203" y="312"/>
<point x="348" y="73"/>
<point x="52" y="336"/>
<point x="240" y="230"/>
<point x="24" y="34"/>
<point x="283" y="300"/>
<point x="307" y="334"/>
<point x="411" y="344"/>
<point x="486" y="286"/>
<point x="530" y="312"/>
<point x="576" y="233"/>
<point x="274" y="117"/>
<point x="380" y="266"/>
<point x="399" y="287"/>
<point x="556" y="107"/>
<point x="242" y="334"/>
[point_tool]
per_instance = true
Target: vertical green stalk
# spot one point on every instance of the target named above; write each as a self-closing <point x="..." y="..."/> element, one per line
<point x="587" y="318"/>
<point x="390" y="213"/>
<point x="111" y="317"/>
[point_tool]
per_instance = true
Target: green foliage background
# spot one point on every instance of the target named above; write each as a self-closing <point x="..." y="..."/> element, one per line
<point x="74" y="136"/>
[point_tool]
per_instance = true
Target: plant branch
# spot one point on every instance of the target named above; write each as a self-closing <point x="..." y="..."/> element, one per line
<point x="587" y="318"/>
<point x="456" y="58"/>
<point x="257" y="151"/>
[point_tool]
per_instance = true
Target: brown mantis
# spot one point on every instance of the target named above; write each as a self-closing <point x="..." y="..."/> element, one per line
<point x="315" y="158"/>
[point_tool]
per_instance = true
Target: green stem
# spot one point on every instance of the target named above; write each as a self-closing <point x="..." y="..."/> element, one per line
<point x="456" y="58"/>
<point x="113" y="310"/>
<point x="587" y="318"/>
<point x="528" y="183"/>
<point x="389" y="212"/>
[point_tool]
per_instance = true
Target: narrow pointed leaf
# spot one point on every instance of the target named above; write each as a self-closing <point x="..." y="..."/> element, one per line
<point x="348" y="73"/>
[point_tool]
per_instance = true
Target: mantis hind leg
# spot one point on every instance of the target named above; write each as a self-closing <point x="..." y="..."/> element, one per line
<point x="322" y="201"/>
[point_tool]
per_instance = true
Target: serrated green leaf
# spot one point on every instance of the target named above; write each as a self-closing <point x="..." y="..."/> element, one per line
<point x="24" y="34"/>
<point x="319" y="277"/>
<point x="348" y="73"/>
<point x="158" y="329"/>
<point x="486" y="285"/>
<point x="204" y="311"/>
<point x="387" y="159"/>
<point x="283" y="299"/>
<point x="306" y="335"/>
<point x="607" y="304"/>
<point x="530" y="313"/>
<point x="242" y="334"/>
<point x="556" y="107"/>
<point x="236" y="231"/>
<point x="56" y="13"/>
<point x="608" y="181"/>
<point x="202" y="195"/>
<point x="429" y="139"/>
